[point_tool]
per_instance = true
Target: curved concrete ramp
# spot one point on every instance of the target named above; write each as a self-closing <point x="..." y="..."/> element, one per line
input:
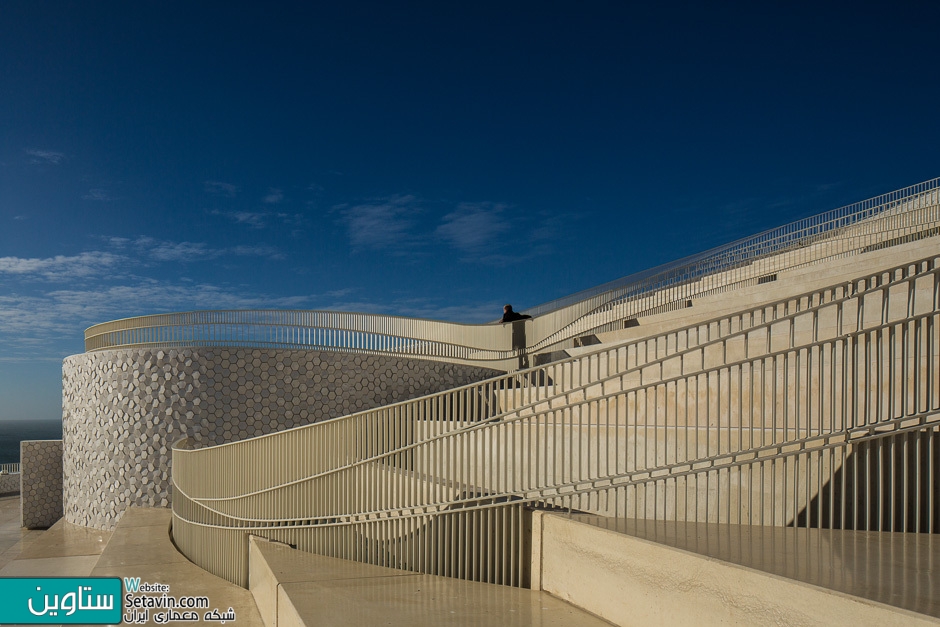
<point x="298" y="588"/>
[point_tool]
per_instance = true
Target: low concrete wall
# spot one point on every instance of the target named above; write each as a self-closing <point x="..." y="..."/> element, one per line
<point x="122" y="410"/>
<point x="632" y="581"/>
<point x="9" y="484"/>
<point x="41" y="472"/>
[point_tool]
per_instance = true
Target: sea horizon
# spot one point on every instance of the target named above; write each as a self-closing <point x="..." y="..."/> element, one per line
<point x="12" y="432"/>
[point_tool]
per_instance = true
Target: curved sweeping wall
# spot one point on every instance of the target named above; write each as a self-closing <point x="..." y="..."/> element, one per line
<point x="123" y="409"/>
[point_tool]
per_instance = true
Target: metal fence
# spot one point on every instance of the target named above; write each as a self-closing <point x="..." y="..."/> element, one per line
<point x="819" y="410"/>
<point x="10" y="468"/>
<point x="890" y="219"/>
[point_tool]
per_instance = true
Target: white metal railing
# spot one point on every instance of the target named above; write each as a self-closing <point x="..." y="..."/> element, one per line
<point x="819" y="410"/>
<point x="10" y="468"/>
<point x="889" y="219"/>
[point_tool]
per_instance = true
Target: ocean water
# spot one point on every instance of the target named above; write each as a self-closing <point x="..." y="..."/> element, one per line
<point x="12" y="432"/>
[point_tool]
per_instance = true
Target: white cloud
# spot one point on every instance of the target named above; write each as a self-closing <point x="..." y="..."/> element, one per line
<point x="61" y="267"/>
<point x="273" y="197"/>
<point x="183" y="251"/>
<point x="100" y="195"/>
<point x="473" y="227"/>
<point x="219" y="188"/>
<point x="386" y="223"/>
<point x="197" y="251"/>
<point x="48" y="157"/>
<point x="255" y="251"/>
<point x="262" y="219"/>
<point x="52" y="324"/>
<point x="252" y="219"/>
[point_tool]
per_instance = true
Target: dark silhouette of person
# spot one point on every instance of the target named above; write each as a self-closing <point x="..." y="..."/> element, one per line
<point x="511" y="316"/>
<point x="518" y="333"/>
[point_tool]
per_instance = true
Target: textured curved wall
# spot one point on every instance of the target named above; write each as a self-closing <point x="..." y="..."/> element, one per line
<point x="122" y="410"/>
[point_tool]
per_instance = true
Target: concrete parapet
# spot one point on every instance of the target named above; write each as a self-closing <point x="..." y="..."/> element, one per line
<point x="41" y="472"/>
<point x="9" y="484"/>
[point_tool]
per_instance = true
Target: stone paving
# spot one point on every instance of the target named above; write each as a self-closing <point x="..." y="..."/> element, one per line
<point x="140" y="546"/>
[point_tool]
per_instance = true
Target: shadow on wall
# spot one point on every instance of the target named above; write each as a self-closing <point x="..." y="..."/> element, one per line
<point x="889" y="484"/>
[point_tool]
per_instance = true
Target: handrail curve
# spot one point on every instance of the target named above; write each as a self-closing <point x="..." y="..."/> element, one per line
<point x="907" y="213"/>
<point x="749" y="418"/>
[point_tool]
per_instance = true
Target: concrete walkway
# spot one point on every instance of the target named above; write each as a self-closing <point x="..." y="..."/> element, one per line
<point x="293" y="588"/>
<point x="140" y="546"/>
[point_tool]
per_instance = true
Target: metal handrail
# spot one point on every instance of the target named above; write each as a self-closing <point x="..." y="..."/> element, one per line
<point x="577" y="375"/>
<point x="770" y="408"/>
<point x="891" y="217"/>
<point x="733" y="254"/>
<point x="12" y="469"/>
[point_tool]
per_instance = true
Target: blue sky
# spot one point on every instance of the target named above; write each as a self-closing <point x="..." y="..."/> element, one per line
<point x="421" y="158"/>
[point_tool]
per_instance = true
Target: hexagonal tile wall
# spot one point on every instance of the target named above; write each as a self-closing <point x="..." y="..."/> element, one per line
<point x="122" y="410"/>
<point x="9" y="484"/>
<point x="41" y="476"/>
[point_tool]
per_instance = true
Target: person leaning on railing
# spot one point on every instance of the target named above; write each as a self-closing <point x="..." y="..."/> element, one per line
<point x="511" y="316"/>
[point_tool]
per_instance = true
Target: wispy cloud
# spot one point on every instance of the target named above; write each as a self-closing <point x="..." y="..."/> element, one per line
<point x="60" y="267"/>
<point x="184" y="252"/>
<point x="255" y="220"/>
<point x="382" y="224"/>
<point x="51" y="324"/>
<point x="180" y="251"/>
<point x="220" y="188"/>
<point x="472" y="227"/>
<point x="262" y="219"/>
<point x="100" y="195"/>
<point x="273" y="197"/>
<point x="48" y="157"/>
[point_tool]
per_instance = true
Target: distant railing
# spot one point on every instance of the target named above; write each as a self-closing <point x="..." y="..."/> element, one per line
<point x="885" y="220"/>
<point x="10" y="468"/>
<point x="819" y="410"/>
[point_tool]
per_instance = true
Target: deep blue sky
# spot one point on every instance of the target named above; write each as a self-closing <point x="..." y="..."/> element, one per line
<point x="429" y="159"/>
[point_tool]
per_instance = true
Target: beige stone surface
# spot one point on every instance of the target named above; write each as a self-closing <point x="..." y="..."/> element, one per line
<point x="74" y="566"/>
<point x="301" y="588"/>
<point x="668" y="574"/>
<point x="66" y="540"/>
<point x="63" y="550"/>
<point x="143" y="548"/>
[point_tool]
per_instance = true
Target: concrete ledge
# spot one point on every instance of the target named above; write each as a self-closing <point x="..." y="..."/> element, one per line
<point x="632" y="580"/>
<point x="292" y="587"/>
<point x="140" y="546"/>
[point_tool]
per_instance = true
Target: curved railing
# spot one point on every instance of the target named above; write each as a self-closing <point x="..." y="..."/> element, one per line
<point x="885" y="220"/>
<point x="327" y="330"/>
<point x="751" y="418"/>
<point x="743" y="251"/>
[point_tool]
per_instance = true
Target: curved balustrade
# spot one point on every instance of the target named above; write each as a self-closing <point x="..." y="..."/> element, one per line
<point x="326" y="330"/>
<point x="768" y="416"/>
<point x="888" y="219"/>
